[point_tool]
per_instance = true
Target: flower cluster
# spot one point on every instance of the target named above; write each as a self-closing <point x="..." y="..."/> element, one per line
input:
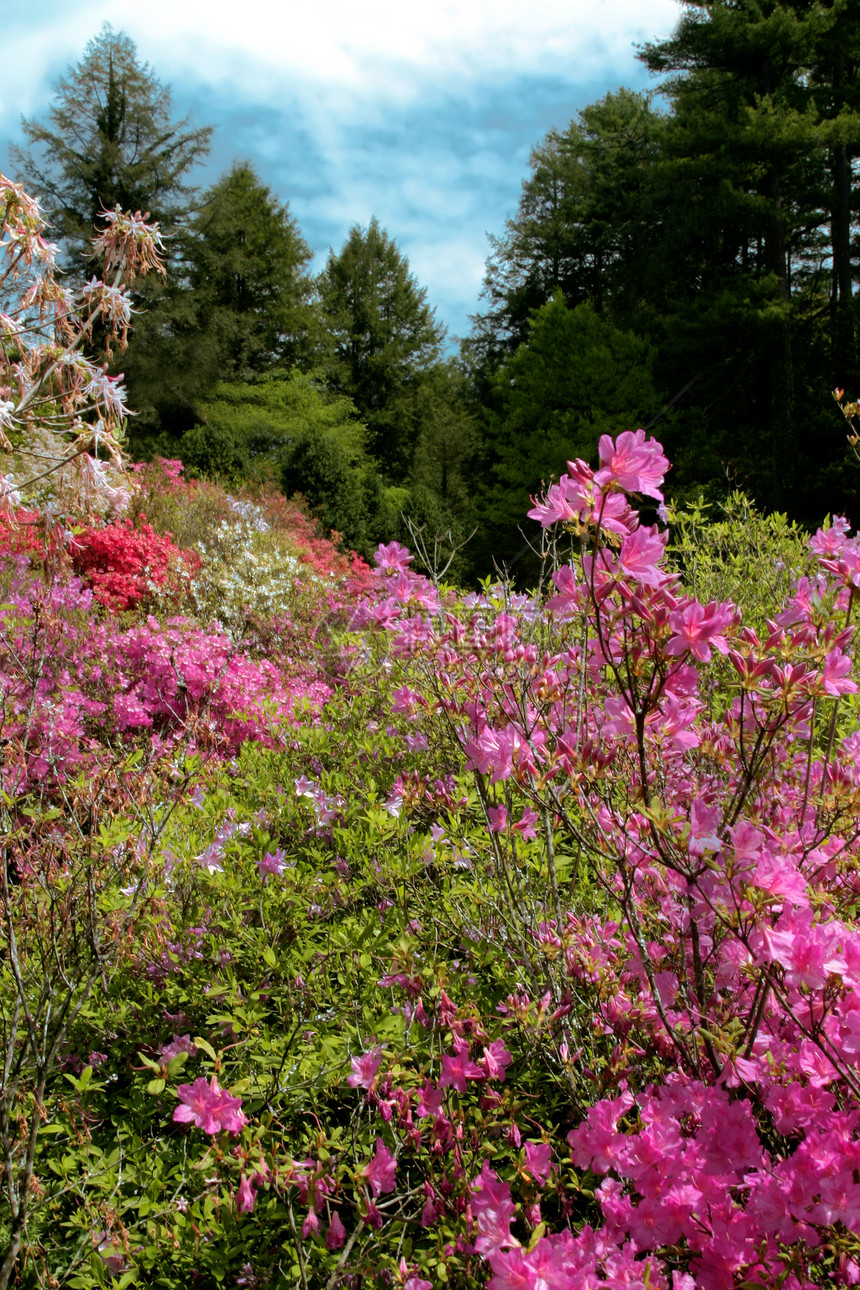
<point x="72" y="456"/>
<point x="124" y="565"/>
<point x="208" y="1107"/>
<point x="722" y="830"/>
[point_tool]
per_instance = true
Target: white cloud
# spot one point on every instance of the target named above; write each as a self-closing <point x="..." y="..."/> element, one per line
<point x="356" y="55"/>
<point x="422" y="115"/>
<point x="383" y="51"/>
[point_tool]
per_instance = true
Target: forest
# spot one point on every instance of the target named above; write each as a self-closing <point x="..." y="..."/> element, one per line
<point x="686" y="258"/>
<point x="384" y="909"/>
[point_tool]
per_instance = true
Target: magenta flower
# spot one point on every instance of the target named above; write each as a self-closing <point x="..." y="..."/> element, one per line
<point x="641" y="552"/>
<point x="457" y="1069"/>
<point x="632" y="463"/>
<point x="493" y="1211"/>
<point x="209" y="1107"/>
<point x="496" y="1060"/>
<point x="199" y="1104"/>
<point x="381" y="1170"/>
<point x="498" y="816"/>
<point x="525" y="826"/>
<point x="539" y="1161"/>
<point x="245" y="1196"/>
<point x="364" y="1069"/>
<point x="272" y="864"/>
<point x="392" y="556"/>
<point x="698" y="627"/>
<point x="336" y="1234"/>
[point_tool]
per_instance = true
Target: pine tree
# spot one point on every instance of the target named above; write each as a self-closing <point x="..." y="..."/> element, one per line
<point x="383" y="335"/>
<point x="110" y="139"/>
<point x="247" y="270"/>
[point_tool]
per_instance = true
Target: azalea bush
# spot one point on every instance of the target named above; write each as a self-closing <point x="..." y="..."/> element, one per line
<point x="529" y="962"/>
<point x="718" y="824"/>
<point x="125" y="565"/>
<point x="361" y="932"/>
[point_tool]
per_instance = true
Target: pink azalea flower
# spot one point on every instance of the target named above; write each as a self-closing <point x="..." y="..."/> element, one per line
<point x="381" y="1170"/>
<point x="836" y="674"/>
<point x="392" y="556"/>
<point x="496" y="1060"/>
<point x="525" y="826"/>
<point x="539" y="1161"/>
<point x="336" y="1234"/>
<point x="493" y="1211"/>
<point x="805" y="951"/>
<point x="641" y="552"/>
<point x="245" y="1196"/>
<point x="430" y="1100"/>
<point x="696" y="628"/>
<point x="457" y="1069"/>
<point x="364" y="1069"/>
<point x="272" y="864"/>
<point x="209" y="1107"/>
<point x="632" y="463"/>
<point x="498" y="816"/>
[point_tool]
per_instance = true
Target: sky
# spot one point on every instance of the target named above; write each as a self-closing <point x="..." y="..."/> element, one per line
<point x="424" y="118"/>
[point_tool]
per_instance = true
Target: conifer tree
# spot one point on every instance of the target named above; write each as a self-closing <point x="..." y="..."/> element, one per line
<point x="383" y="335"/>
<point x="110" y="139"/>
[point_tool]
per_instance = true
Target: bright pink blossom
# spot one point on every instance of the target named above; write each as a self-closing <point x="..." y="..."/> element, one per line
<point x="633" y="463"/>
<point x="457" y="1069"/>
<point x="381" y="1170"/>
<point x="336" y="1234"/>
<point x="364" y="1069"/>
<point x="641" y="552"/>
<point x="210" y="1107"/>
<point x="539" y="1161"/>
<point x="245" y="1196"/>
<point x="699" y="628"/>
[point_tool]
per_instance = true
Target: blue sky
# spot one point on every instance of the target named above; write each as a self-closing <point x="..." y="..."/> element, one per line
<point x="425" y="120"/>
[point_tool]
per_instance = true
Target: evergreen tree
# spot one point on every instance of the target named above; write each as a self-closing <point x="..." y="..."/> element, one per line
<point x="247" y="270"/>
<point x="239" y="305"/>
<point x="586" y="220"/>
<point x="750" y="146"/>
<point x="383" y="334"/>
<point x="110" y="139"/>
<point x="577" y="377"/>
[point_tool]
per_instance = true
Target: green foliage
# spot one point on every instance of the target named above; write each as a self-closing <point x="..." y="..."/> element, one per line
<point x="576" y="378"/>
<point x="719" y="229"/>
<point x="345" y="494"/>
<point x="383" y="334"/>
<point x="279" y="982"/>
<point x="111" y="139"/>
<point x="238" y="306"/>
<point x="739" y="555"/>
<point x="247" y="431"/>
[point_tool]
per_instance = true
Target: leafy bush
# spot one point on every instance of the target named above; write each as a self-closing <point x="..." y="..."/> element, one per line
<point x="528" y="958"/>
<point x="125" y="565"/>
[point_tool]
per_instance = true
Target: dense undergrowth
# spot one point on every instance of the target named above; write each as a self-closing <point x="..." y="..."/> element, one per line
<point x="359" y="931"/>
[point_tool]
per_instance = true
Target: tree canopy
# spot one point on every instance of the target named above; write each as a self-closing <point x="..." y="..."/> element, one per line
<point x="110" y="139"/>
<point x="383" y="333"/>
